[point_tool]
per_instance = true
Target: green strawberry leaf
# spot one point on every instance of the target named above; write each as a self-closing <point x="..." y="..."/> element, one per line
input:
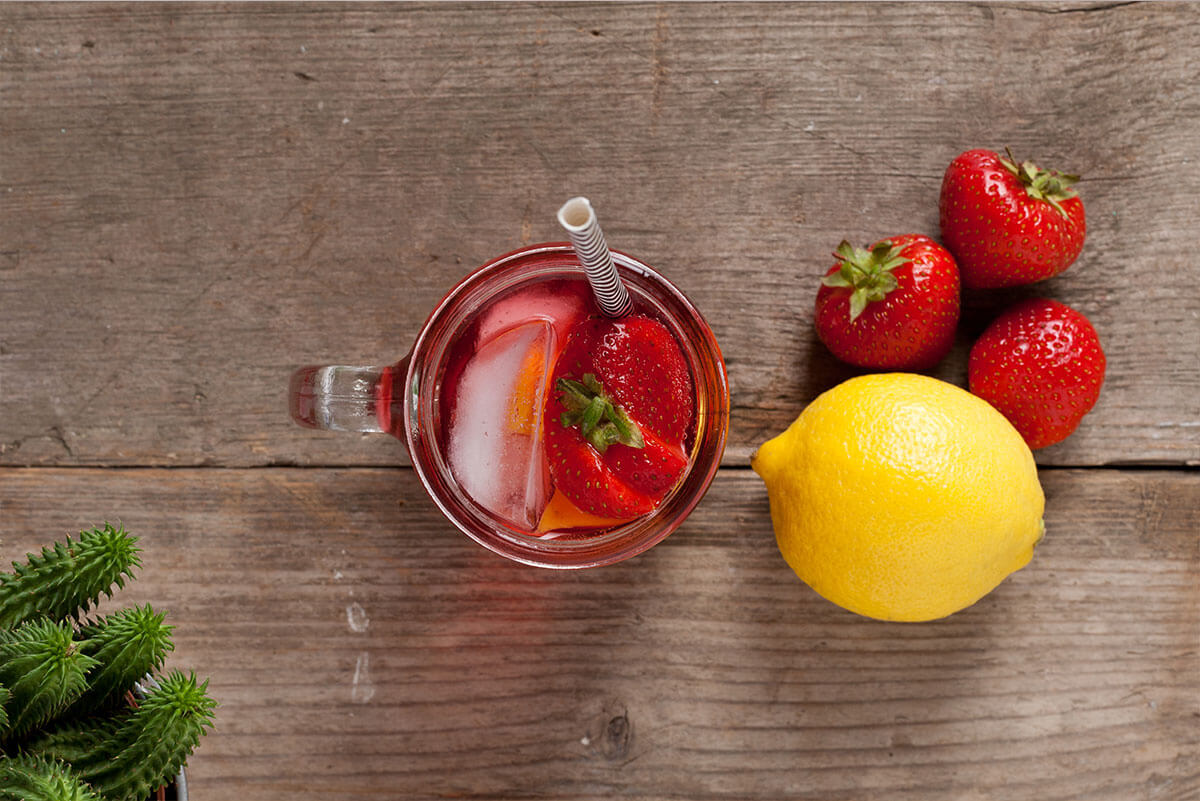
<point x="628" y="432"/>
<point x="837" y="279"/>
<point x="601" y="421"/>
<point x="867" y="273"/>
<point x="1051" y="186"/>
<point x="592" y="415"/>
<point x="858" y="303"/>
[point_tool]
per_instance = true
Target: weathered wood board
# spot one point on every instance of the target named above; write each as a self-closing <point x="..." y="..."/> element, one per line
<point x="196" y="199"/>
<point x="360" y="645"/>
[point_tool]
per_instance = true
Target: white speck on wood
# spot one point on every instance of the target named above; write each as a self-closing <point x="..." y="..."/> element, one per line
<point x="361" y="689"/>
<point x="356" y="616"/>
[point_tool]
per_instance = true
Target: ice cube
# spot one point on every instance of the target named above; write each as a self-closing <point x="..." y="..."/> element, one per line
<point x="551" y="302"/>
<point x="495" y="435"/>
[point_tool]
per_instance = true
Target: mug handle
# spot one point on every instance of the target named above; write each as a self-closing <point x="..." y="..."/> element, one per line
<point x="343" y="398"/>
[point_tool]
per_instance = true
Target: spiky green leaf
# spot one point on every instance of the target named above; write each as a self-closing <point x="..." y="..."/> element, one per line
<point x="31" y="778"/>
<point x="127" y="645"/>
<point x="153" y="741"/>
<point x="44" y="670"/>
<point x="78" y="742"/>
<point x="67" y="577"/>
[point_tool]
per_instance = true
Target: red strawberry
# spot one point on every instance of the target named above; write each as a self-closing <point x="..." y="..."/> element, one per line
<point x="1007" y="223"/>
<point x="1039" y="363"/>
<point x="621" y="406"/>
<point x="892" y="307"/>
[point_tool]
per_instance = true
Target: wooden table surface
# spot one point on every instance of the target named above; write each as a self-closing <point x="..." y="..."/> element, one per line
<point x="195" y="199"/>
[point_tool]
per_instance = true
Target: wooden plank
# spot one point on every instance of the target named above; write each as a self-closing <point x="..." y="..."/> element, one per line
<point x="195" y="199"/>
<point x="359" y="646"/>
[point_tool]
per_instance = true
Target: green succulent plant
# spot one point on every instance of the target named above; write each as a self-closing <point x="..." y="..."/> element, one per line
<point x="29" y="778"/>
<point x="43" y="669"/>
<point x="68" y="577"/>
<point x="126" y="645"/>
<point x="85" y="714"/>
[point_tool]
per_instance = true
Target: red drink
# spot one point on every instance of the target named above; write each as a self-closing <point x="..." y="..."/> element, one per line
<point x="475" y="398"/>
<point x="497" y="406"/>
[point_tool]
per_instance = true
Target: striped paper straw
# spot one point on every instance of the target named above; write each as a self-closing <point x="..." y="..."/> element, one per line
<point x="578" y="217"/>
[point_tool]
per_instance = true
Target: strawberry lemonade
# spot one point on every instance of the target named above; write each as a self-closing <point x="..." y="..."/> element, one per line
<point x="561" y="422"/>
<point x="545" y="431"/>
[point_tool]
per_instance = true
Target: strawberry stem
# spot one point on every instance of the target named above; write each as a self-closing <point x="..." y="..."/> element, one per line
<point x="600" y="420"/>
<point x="867" y="272"/>
<point x="1051" y="186"/>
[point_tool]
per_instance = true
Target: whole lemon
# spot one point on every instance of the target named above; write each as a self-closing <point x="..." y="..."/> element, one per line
<point x="902" y="497"/>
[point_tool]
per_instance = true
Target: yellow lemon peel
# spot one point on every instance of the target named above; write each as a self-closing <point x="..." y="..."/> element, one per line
<point x="902" y="497"/>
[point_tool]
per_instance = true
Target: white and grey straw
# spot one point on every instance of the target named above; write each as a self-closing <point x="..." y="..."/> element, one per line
<point x="578" y="217"/>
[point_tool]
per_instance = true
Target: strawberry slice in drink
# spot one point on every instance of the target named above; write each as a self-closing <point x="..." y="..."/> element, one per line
<point x="621" y="404"/>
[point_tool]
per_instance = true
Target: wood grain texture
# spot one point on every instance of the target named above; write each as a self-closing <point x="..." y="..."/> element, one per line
<point x="358" y="644"/>
<point x="195" y="199"/>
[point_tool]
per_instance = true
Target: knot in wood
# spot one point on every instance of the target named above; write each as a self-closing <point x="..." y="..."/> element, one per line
<point x="617" y="738"/>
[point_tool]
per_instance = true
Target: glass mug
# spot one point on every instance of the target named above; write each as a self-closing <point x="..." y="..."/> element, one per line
<point x="406" y="400"/>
